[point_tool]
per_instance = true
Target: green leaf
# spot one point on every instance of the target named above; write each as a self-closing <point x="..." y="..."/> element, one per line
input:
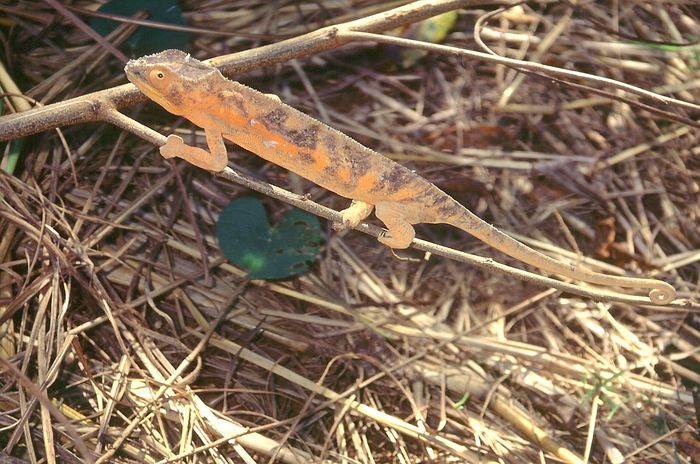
<point x="462" y="402"/>
<point x="145" y="40"/>
<point x="433" y="30"/>
<point x="247" y="239"/>
<point x="13" y="155"/>
<point x="14" y="151"/>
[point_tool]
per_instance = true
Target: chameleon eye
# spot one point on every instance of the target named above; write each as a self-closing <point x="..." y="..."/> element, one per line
<point x="158" y="78"/>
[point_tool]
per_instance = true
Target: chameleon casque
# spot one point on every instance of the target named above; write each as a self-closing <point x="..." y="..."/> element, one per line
<point x="263" y="125"/>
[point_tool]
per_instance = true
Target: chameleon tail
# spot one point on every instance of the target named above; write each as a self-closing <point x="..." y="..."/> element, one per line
<point x="659" y="292"/>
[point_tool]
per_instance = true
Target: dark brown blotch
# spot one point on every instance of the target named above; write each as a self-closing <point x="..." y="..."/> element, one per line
<point x="361" y="158"/>
<point x="233" y="100"/>
<point x="305" y="157"/>
<point x="441" y="202"/>
<point x="275" y="118"/>
<point x="330" y="172"/>
<point x="395" y="179"/>
<point x="434" y="197"/>
<point x="360" y="166"/>
<point x="304" y="138"/>
<point x="181" y="90"/>
<point x="175" y="96"/>
<point x="330" y="144"/>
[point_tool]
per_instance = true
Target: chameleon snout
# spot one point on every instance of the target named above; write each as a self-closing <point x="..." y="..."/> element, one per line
<point x="132" y="69"/>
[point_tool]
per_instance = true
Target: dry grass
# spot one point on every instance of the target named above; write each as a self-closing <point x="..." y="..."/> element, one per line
<point x="119" y="311"/>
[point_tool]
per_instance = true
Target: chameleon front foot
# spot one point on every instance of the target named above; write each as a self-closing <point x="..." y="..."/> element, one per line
<point x="213" y="160"/>
<point x="174" y="145"/>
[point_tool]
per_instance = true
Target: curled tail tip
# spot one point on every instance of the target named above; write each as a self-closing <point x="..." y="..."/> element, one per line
<point x="663" y="294"/>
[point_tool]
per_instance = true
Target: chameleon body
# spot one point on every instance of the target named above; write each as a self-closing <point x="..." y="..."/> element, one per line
<point x="263" y="125"/>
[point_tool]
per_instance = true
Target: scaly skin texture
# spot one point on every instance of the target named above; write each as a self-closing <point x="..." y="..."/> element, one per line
<point x="263" y="125"/>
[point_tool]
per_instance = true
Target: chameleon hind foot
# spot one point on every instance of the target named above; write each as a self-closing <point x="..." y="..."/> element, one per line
<point x="400" y="232"/>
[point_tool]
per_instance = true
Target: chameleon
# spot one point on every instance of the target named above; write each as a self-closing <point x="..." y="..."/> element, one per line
<point x="283" y="135"/>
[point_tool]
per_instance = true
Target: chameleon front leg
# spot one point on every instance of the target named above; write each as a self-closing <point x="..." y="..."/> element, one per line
<point x="215" y="159"/>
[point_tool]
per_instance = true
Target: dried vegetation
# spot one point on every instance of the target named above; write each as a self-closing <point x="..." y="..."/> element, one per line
<point x="123" y="325"/>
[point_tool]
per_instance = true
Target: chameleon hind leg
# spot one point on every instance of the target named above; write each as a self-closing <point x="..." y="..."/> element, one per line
<point x="400" y="231"/>
<point x="354" y="214"/>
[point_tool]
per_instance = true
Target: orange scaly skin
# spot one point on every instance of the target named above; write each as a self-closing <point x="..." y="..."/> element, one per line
<point x="282" y="135"/>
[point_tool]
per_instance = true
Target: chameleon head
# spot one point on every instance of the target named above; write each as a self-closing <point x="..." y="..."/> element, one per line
<point x="170" y="78"/>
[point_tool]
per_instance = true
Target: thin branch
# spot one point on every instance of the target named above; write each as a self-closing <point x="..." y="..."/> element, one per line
<point x="312" y="207"/>
<point x="88" y="107"/>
